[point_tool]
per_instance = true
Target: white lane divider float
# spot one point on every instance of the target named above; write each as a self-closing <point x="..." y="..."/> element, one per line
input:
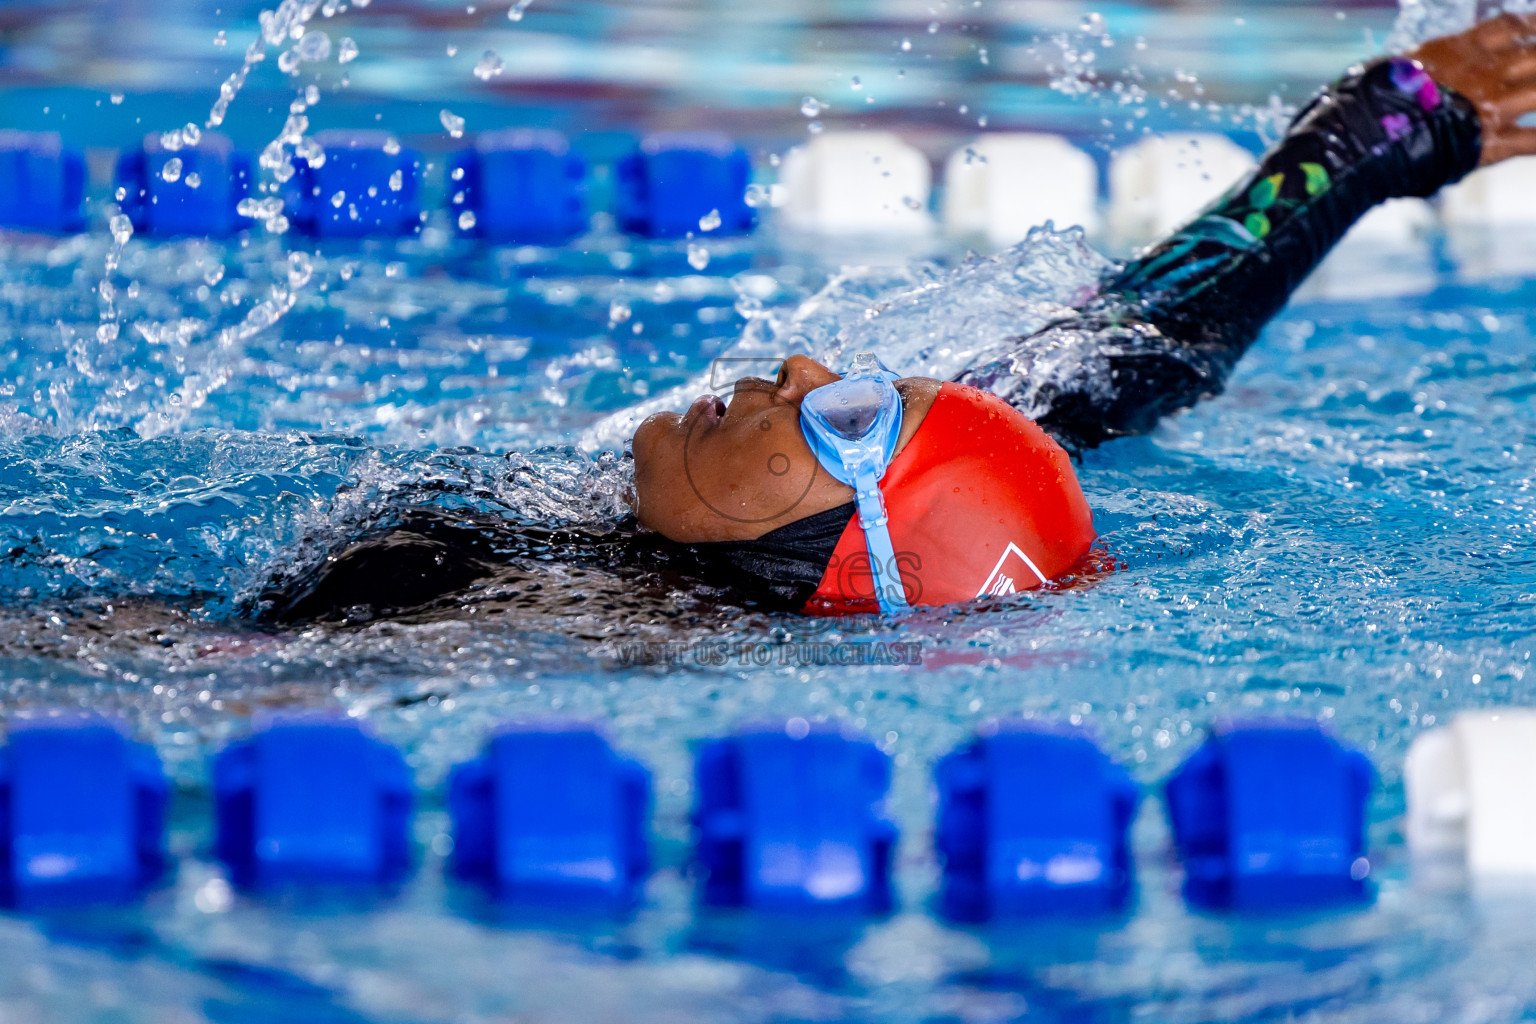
<point x="1004" y="183"/>
<point x="1161" y="182"/>
<point x="1488" y="218"/>
<point x="1471" y="790"/>
<point x="856" y="183"/>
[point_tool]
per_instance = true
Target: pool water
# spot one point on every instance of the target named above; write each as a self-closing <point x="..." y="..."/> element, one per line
<point x="1344" y="535"/>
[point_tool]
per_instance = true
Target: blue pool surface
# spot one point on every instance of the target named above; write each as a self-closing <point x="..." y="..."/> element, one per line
<point x="1345" y="535"/>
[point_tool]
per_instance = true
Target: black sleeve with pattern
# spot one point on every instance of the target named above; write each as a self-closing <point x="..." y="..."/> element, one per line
<point x="1166" y="330"/>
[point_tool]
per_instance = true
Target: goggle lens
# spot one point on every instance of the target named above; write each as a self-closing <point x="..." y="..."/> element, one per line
<point x="850" y="407"/>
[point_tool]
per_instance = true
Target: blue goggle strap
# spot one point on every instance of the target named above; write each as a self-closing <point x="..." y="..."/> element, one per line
<point x="877" y="538"/>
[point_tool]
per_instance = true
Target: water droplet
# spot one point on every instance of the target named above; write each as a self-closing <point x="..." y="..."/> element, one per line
<point x="194" y="180"/>
<point x="311" y="94"/>
<point x="397" y="181"/>
<point x="982" y="55"/>
<point x="453" y="123"/>
<point x="698" y="257"/>
<point x="116" y="98"/>
<point x="392" y="145"/>
<point x="814" y="127"/>
<point x="314" y="46"/>
<point x="618" y="312"/>
<point x="458" y="174"/>
<point x="338" y="199"/>
<point x="856" y="83"/>
<point x="489" y="67"/>
<point x="709" y="221"/>
<point x="215" y="896"/>
<point x="933" y="28"/>
<point x="453" y="51"/>
<point x="214" y="275"/>
<point x="106" y="333"/>
<point x="120" y="194"/>
<point x="220" y="38"/>
<point x="906" y="44"/>
<point x="346" y="50"/>
<point x="518" y="10"/>
<point x="300" y="268"/>
<point x="466" y="220"/>
<point x="911" y="203"/>
<point x="172" y="169"/>
<point x="1092" y="24"/>
<point x="121" y="227"/>
<point x="811" y="106"/>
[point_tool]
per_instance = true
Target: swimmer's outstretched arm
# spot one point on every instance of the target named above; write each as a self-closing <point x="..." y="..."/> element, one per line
<point x="1167" y="329"/>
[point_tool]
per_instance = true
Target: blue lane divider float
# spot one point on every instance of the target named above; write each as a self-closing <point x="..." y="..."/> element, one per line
<point x="367" y="184"/>
<point x="520" y="186"/>
<point x="792" y="817"/>
<point x="1271" y="815"/>
<point x="1033" y="819"/>
<point x="82" y="814"/>
<point x="675" y="183"/>
<point x="42" y="183"/>
<point x="194" y="190"/>
<point x="312" y="801"/>
<point x="550" y="814"/>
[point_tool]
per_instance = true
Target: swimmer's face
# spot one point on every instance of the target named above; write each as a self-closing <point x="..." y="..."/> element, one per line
<point x="736" y="471"/>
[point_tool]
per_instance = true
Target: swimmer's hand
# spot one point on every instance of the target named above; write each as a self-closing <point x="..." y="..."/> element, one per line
<point x="1493" y="65"/>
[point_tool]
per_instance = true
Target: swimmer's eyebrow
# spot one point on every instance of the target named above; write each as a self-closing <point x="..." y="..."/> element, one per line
<point x="725" y="371"/>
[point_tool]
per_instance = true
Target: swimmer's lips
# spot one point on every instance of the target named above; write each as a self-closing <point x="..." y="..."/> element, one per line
<point x="709" y="410"/>
<point x="706" y="410"/>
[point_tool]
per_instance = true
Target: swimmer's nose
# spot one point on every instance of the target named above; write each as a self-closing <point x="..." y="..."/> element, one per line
<point x="801" y="375"/>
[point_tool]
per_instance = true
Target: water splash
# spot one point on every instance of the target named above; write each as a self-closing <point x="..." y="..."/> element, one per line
<point x="922" y="319"/>
<point x="209" y="363"/>
<point x="489" y="66"/>
<point x="1421" y="20"/>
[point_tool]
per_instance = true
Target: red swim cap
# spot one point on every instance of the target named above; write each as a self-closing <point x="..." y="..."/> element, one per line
<point x="981" y="501"/>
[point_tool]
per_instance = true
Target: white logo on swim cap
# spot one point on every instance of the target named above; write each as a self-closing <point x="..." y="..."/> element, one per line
<point x="1000" y="582"/>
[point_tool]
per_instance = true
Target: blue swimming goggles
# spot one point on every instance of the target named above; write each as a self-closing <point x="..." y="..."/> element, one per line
<point x="852" y="426"/>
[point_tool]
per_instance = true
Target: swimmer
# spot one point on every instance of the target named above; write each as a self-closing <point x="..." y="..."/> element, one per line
<point x="865" y="492"/>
